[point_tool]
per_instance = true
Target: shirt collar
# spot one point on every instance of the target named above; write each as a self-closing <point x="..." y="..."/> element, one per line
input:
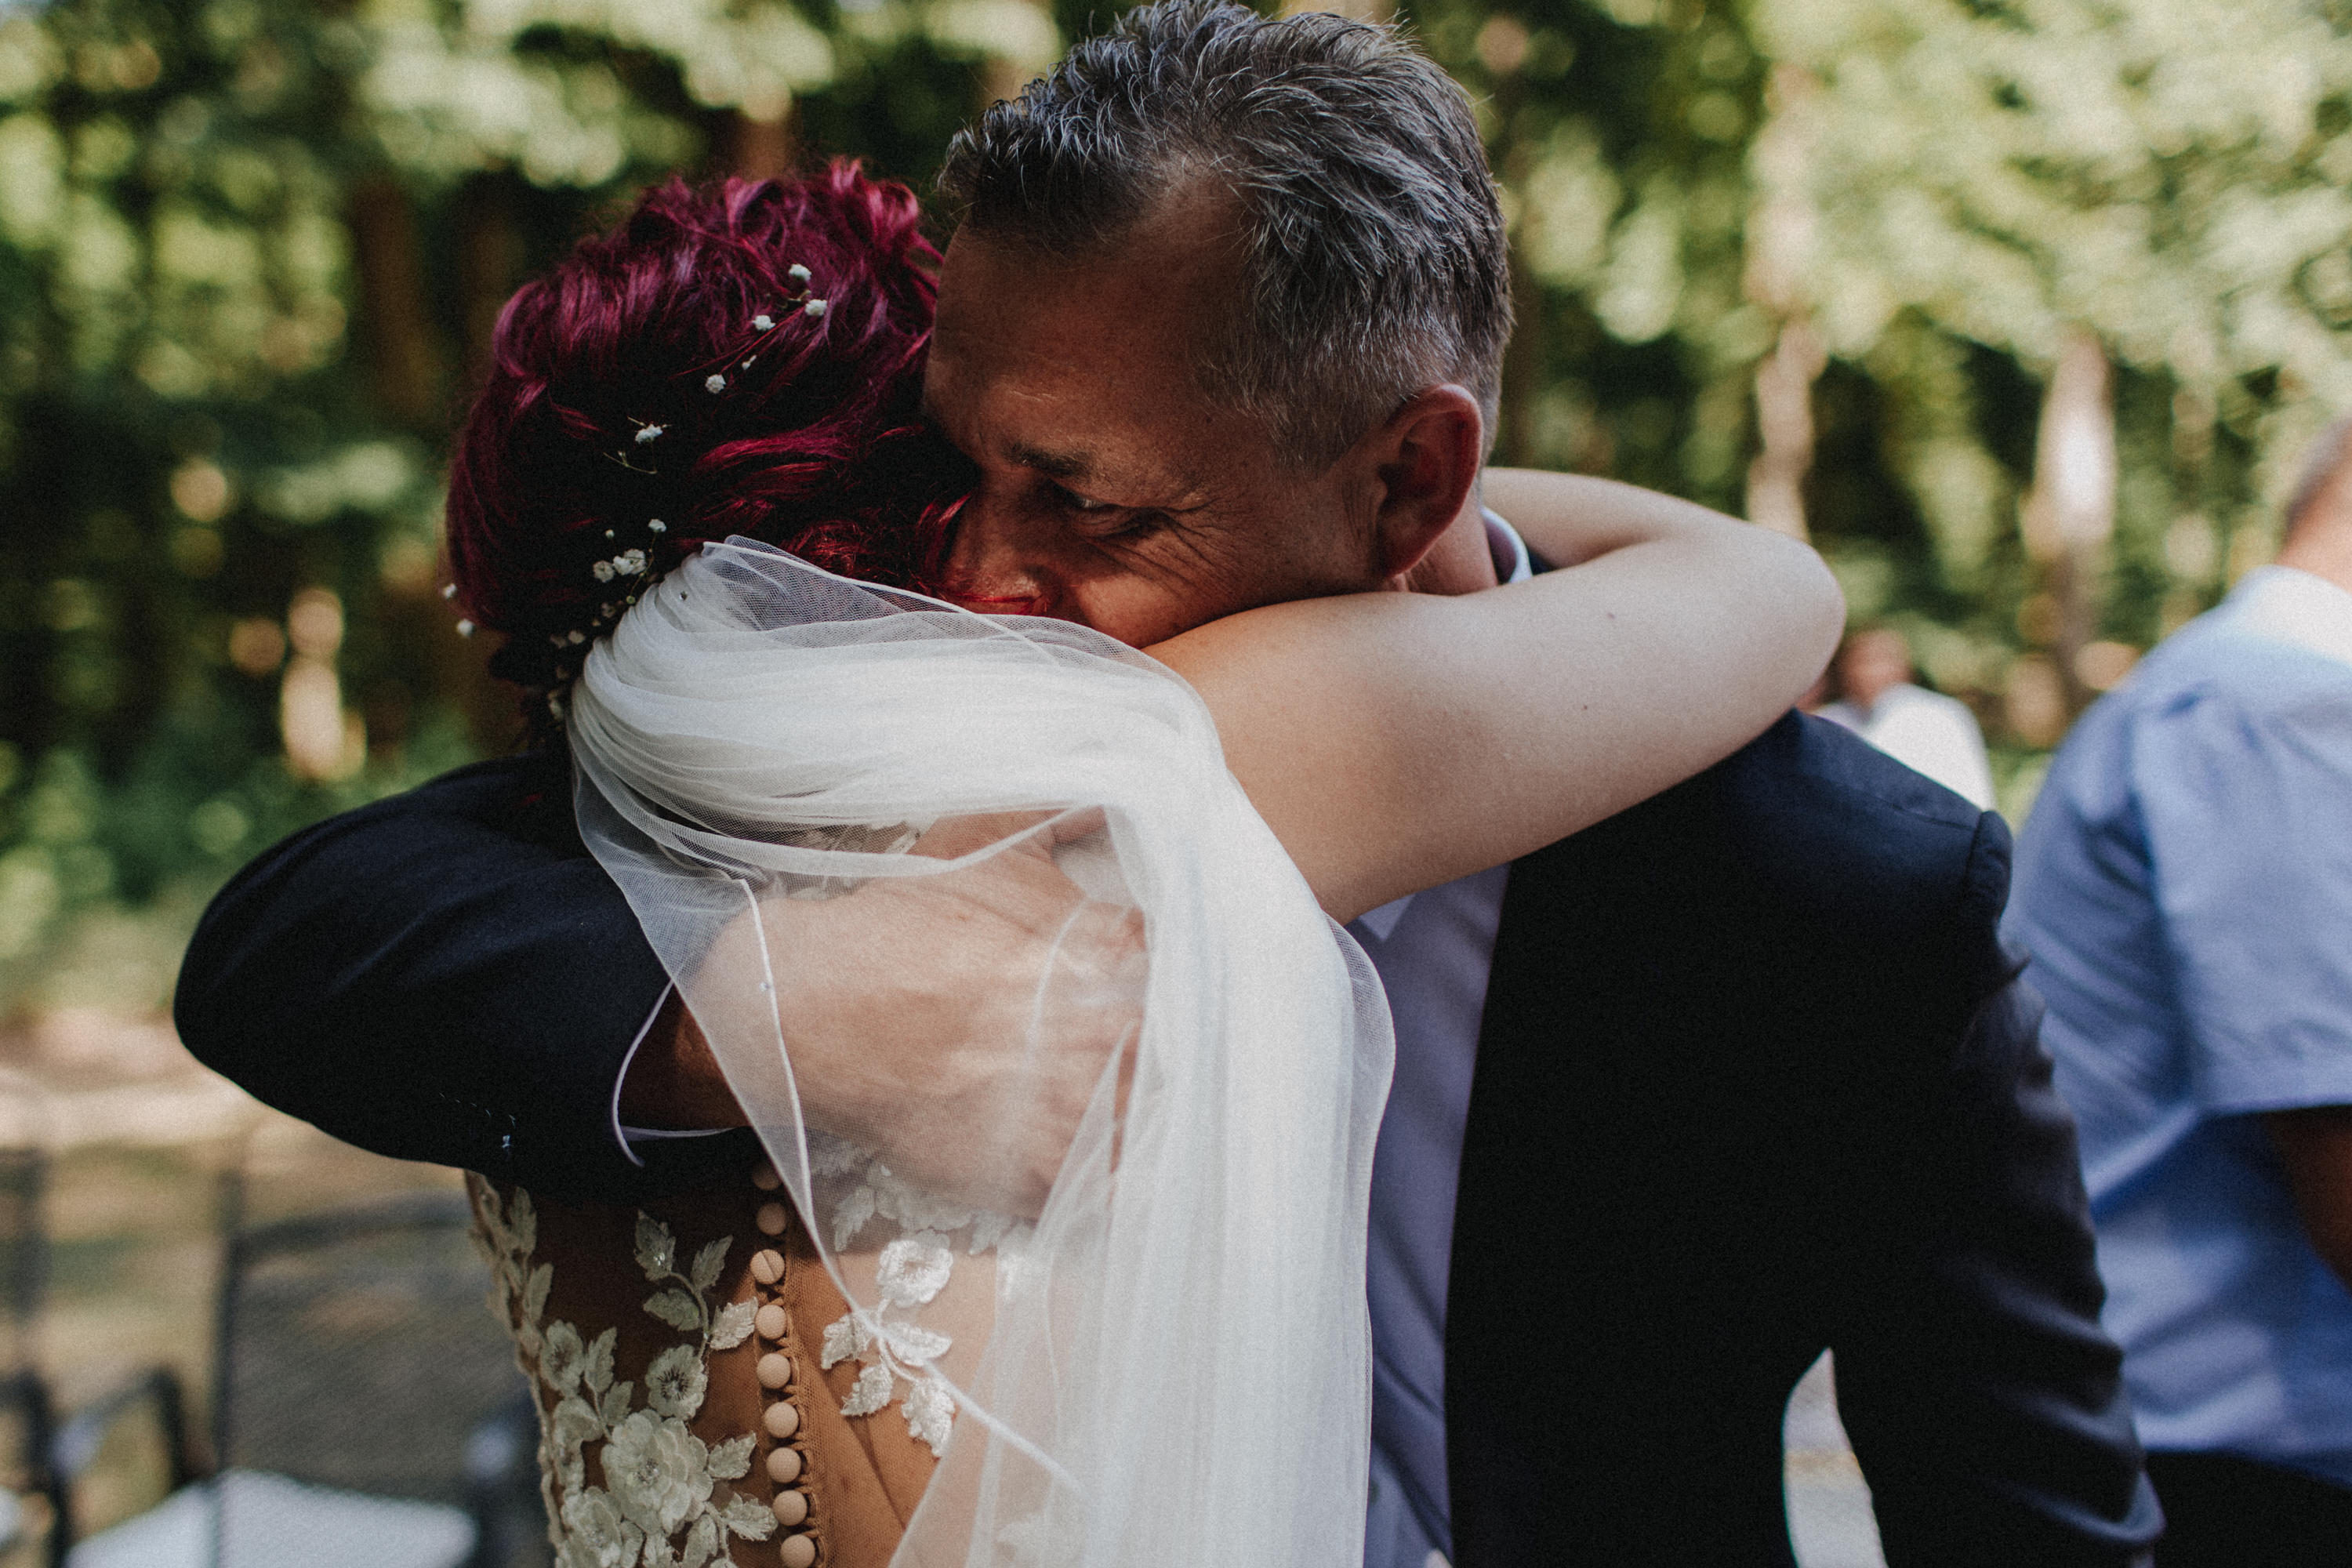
<point x="2297" y="607"/>
<point x="1512" y="563"/>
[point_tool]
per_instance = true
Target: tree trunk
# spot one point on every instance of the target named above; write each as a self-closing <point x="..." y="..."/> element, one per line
<point x="395" y="318"/>
<point x="1784" y="419"/>
<point x="2071" y="513"/>
<point x="489" y="266"/>
<point x="763" y="148"/>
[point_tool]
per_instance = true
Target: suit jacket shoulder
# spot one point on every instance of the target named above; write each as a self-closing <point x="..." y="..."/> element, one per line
<point x="1819" y="818"/>
<point x="1816" y="871"/>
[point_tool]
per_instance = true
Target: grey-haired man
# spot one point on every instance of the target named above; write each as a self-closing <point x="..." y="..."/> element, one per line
<point x="1657" y="1139"/>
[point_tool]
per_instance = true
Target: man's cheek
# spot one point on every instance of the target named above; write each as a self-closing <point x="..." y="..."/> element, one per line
<point x="1102" y="604"/>
<point x="1148" y="609"/>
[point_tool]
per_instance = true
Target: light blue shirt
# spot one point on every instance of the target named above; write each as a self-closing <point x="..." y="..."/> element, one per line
<point x="2184" y="887"/>
<point x="1433" y="950"/>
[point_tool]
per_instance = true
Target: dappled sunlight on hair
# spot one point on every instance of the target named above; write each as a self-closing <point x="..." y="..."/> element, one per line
<point x="637" y="402"/>
<point x="1373" y="260"/>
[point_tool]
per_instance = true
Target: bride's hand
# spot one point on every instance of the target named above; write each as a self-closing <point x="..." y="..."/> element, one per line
<point x="956" y="1024"/>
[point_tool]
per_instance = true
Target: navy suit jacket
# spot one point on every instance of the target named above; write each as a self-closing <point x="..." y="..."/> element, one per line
<point x="1755" y="1079"/>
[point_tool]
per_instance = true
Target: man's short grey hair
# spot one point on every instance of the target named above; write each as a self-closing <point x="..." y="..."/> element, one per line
<point x="1375" y="258"/>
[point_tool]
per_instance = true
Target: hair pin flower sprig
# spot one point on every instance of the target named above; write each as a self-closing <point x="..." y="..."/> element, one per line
<point x="637" y="567"/>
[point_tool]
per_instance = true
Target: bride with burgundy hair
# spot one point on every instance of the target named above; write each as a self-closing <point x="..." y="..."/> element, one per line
<point x="697" y="499"/>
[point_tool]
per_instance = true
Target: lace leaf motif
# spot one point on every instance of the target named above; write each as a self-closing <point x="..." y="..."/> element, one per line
<point x="870" y="1393"/>
<point x="656" y="1247"/>
<point x="675" y="1308"/>
<point x="732" y="1460"/>
<point x="709" y="1262"/>
<point x="845" y="1337"/>
<point x="732" y="1326"/>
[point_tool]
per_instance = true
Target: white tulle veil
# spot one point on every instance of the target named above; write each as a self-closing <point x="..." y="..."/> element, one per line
<point x="1171" y="1363"/>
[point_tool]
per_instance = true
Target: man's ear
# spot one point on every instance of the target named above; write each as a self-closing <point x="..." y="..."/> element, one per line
<point x="1426" y="458"/>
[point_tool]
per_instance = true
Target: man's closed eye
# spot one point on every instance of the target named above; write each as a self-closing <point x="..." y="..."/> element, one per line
<point x="1071" y="500"/>
<point x="1105" y="521"/>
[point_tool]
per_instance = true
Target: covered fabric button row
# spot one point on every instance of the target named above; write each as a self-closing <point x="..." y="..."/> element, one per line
<point x="782" y="1418"/>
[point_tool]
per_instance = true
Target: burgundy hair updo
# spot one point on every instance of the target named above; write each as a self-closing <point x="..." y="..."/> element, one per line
<point x="804" y="433"/>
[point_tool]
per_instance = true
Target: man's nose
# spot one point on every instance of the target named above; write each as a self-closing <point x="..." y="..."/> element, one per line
<point x="993" y="564"/>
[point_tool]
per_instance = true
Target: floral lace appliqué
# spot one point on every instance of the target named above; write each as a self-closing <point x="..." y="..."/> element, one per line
<point x="661" y="1505"/>
<point x="913" y="1268"/>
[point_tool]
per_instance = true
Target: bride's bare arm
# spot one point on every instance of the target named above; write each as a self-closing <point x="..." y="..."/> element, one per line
<point x="1397" y="741"/>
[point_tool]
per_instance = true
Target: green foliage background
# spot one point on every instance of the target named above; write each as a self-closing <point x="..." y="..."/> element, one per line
<point x="250" y="252"/>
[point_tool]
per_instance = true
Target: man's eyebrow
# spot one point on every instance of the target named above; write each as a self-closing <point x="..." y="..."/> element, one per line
<point x="1060" y="465"/>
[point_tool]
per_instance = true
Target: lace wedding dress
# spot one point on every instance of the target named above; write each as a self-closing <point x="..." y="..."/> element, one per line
<point x="1171" y="1362"/>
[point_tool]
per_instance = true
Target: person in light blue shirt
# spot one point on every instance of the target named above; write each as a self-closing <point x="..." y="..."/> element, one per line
<point x="2185" y="887"/>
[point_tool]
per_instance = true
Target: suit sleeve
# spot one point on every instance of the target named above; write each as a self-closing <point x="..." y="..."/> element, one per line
<point x="445" y="976"/>
<point x="1991" y="1421"/>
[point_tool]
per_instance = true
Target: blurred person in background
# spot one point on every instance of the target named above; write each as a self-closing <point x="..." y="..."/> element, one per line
<point x="1922" y="729"/>
<point x="2184" y="887"/>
